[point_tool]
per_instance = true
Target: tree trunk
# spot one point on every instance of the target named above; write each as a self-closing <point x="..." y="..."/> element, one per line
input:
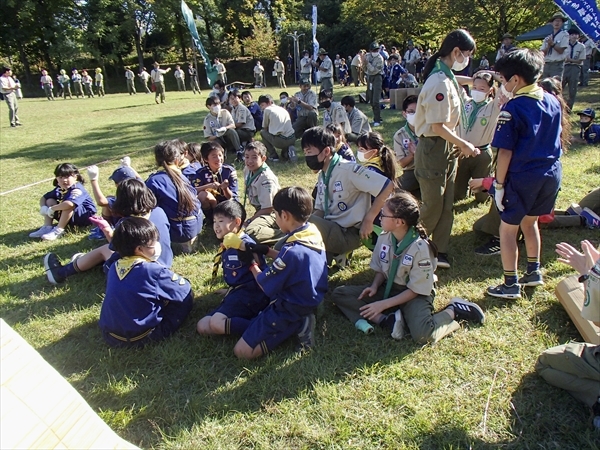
<point x="25" y="62"/>
<point x="181" y="36"/>
<point x="138" y="48"/>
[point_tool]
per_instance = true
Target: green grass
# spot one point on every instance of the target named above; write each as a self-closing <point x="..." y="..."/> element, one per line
<point x="352" y="391"/>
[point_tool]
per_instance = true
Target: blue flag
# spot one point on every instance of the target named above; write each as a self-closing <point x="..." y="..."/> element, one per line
<point x="188" y="16"/>
<point x="584" y="14"/>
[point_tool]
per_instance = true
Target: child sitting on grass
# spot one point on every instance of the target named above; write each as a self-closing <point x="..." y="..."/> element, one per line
<point x="401" y="295"/>
<point x="191" y="162"/>
<point x="217" y="181"/>
<point x="144" y="301"/>
<point x="68" y="203"/>
<point x="261" y="185"/>
<point x="296" y="281"/>
<point x="530" y="140"/>
<point x="244" y="298"/>
<point x="341" y="145"/>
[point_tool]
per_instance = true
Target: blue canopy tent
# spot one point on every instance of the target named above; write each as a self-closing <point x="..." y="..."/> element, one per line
<point x="537" y="34"/>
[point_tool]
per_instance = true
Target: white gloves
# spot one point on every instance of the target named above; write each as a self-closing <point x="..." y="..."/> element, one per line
<point x="126" y="161"/>
<point x="44" y="210"/>
<point x="221" y="131"/>
<point x="498" y="197"/>
<point x="93" y="172"/>
<point x="50" y="212"/>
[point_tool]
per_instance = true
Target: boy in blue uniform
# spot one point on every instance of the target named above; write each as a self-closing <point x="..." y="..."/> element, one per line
<point x="296" y="281"/>
<point x="590" y="132"/>
<point x="244" y="298"/>
<point x="144" y="300"/>
<point x="528" y="173"/>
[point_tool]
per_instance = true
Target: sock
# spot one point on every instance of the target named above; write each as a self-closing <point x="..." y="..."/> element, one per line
<point x="533" y="264"/>
<point x="68" y="270"/>
<point x="510" y="277"/>
<point x="236" y="325"/>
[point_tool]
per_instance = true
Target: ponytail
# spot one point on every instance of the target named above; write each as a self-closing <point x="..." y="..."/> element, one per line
<point x="430" y="64"/>
<point x="388" y="158"/>
<point x="167" y="154"/>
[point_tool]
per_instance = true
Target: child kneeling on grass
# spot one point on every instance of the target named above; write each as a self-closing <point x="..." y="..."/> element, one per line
<point x="401" y="295"/>
<point x="244" y="298"/>
<point x="144" y="300"/>
<point x="68" y="203"/>
<point x="530" y="138"/>
<point x="296" y="281"/>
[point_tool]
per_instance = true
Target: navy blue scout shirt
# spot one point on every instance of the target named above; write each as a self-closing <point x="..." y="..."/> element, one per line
<point x="235" y="272"/>
<point x="206" y="176"/>
<point x="76" y="194"/>
<point x="299" y="274"/>
<point x="191" y="173"/>
<point x="530" y="128"/>
<point x="591" y="134"/>
<point x="137" y="291"/>
<point x="257" y="114"/>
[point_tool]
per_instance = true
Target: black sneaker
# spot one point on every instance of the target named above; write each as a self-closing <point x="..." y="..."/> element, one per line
<point x="442" y="261"/>
<point x="504" y="291"/>
<point x="306" y="336"/>
<point x="532" y="279"/>
<point x="387" y="323"/>
<point x="491" y="247"/>
<point x="464" y="310"/>
<point x="52" y="265"/>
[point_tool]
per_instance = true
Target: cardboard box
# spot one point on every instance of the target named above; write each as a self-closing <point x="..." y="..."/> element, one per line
<point x="570" y="294"/>
<point x="397" y="96"/>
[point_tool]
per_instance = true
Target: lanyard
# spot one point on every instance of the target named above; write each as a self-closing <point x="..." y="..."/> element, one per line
<point x="441" y="67"/>
<point x="410" y="237"/>
<point x="326" y="177"/>
<point x="474" y="112"/>
<point x="250" y="179"/>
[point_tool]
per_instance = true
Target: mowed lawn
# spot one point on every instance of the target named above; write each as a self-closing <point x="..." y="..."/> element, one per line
<point x="474" y="389"/>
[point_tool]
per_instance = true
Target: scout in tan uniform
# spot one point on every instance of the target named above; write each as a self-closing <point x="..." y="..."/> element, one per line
<point x="359" y="123"/>
<point x="260" y="187"/>
<point x="405" y="146"/>
<point x="334" y="112"/>
<point x="439" y="108"/>
<point x="158" y="80"/>
<point x="575" y="367"/>
<point x="305" y="102"/>
<point x="47" y="85"/>
<point x="374" y="69"/>
<point x="482" y="114"/>
<point x="130" y="78"/>
<point x="554" y="48"/>
<point x="404" y="264"/>
<point x="242" y="117"/>
<point x="99" y="82"/>
<point x="573" y="65"/>
<point x="219" y="125"/>
<point x="343" y="212"/>
<point x="279" y="70"/>
<point x="277" y="130"/>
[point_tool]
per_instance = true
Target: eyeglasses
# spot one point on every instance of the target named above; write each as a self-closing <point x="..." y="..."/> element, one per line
<point x="384" y="216"/>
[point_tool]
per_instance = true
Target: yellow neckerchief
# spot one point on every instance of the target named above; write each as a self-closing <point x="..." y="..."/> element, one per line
<point x="375" y="162"/>
<point x="184" y="163"/>
<point x="173" y="167"/>
<point x="125" y="264"/>
<point x="309" y="237"/>
<point x="531" y="90"/>
<point x="230" y="240"/>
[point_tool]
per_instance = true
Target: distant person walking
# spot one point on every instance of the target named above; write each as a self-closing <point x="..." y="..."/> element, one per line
<point x="9" y="87"/>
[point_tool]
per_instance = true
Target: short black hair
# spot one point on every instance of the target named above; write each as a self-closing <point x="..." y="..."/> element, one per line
<point x="284" y="93"/>
<point x="133" y="232"/>
<point x="326" y="94"/>
<point x="67" y="170"/>
<point x="247" y="93"/>
<point x="219" y="83"/>
<point x="318" y="137"/>
<point x="348" y="100"/>
<point x="295" y="200"/>
<point x="265" y="99"/>
<point x="232" y="209"/>
<point x="207" y="147"/>
<point x="523" y="62"/>
<point x="212" y="99"/>
<point x="408" y="101"/>
<point x="133" y="198"/>
<point x="235" y="93"/>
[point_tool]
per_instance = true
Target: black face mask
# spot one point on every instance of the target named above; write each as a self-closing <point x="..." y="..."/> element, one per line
<point x="326" y="104"/>
<point x="584" y="124"/>
<point x="313" y="162"/>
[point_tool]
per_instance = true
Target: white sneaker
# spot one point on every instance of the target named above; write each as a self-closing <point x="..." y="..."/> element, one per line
<point x="42" y="231"/>
<point x="53" y="234"/>
<point x="126" y="161"/>
<point x="399" y="329"/>
<point x="76" y="256"/>
<point x="376" y="124"/>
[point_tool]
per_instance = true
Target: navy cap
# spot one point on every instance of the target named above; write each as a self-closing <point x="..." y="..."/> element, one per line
<point x="122" y="173"/>
<point x="588" y="112"/>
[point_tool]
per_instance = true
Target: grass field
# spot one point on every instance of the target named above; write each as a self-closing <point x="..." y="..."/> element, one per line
<point x="474" y="389"/>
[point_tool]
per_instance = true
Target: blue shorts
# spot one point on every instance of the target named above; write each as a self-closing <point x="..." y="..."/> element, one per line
<point x="245" y="301"/>
<point x="530" y="195"/>
<point x="274" y="325"/>
<point x="186" y="229"/>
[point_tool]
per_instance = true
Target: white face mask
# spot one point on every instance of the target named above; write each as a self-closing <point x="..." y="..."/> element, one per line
<point x="361" y="157"/>
<point x="215" y="109"/>
<point x="283" y="100"/>
<point x="157" y="252"/>
<point x="478" y="96"/>
<point x="505" y="92"/>
<point x="460" y="66"/>
<point x="410" y="118"/>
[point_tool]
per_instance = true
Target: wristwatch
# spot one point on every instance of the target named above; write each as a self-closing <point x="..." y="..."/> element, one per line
<point x="583" y="278"/>
<point x="498" y="186"/>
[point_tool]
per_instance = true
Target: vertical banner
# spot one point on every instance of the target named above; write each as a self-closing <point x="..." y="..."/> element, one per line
<point x="211" y="72"/>
<point x="584" y="14"/>
<point x="314" y="36"/>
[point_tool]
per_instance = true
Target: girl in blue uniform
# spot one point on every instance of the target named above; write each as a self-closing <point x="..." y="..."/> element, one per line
<point x="175" y="195"/>
<point x="133" y="198"/>
<point x="68" y="203"/>
<point x="192" y="163"/>
<point x="244" y="298"/>
<point x="144" y="301"/>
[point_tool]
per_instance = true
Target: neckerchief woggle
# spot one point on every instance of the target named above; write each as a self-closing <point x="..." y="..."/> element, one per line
<point x="441" y="67"/>
<point x="410" y="237"/>
<point x="326" y="177"/>
<point x="250" y="179"/>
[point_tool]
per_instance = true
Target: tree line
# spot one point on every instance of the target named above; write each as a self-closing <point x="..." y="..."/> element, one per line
<point x="55" y="34"/>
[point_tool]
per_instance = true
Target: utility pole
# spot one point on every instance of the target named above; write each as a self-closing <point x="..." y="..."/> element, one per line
<point x="295" y="37"/>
